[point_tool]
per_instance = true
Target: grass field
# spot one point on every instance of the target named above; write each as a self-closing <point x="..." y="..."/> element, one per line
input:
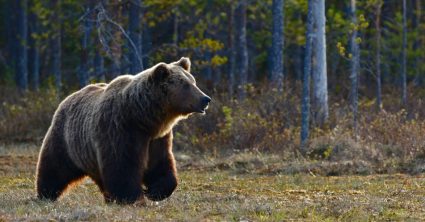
<point x="221" y="190"/>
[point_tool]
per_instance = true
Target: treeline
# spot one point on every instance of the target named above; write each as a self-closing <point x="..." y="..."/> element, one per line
<point x="345" y="47"/>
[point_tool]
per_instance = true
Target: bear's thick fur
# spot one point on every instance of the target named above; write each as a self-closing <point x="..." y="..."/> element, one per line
<point x="120" y="135"/>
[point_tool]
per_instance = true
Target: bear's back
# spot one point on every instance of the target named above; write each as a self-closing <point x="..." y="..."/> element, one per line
<point x="85" y="96"/>
<point x="86" y="102"/>
<point x="82" y="110"/>
<point x="77" y="111"/>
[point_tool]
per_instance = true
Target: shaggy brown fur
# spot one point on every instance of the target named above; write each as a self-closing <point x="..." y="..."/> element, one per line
<point x="120" y="134"/>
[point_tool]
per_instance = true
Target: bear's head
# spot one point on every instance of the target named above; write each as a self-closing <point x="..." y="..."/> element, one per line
<point x="178" y="87"/>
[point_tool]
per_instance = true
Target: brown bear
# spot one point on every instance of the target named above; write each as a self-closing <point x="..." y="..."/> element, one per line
<point x="120" y="135"/>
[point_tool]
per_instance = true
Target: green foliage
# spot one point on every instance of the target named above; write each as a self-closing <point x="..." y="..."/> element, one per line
<point x="217" y="60"/>
<point x="349" y="27"/>
<point x="228" y="121"/>
<point x="202" y="44"/>
<point x="7" y="76"/>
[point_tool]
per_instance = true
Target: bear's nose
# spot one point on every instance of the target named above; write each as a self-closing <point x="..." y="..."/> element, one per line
<point x="206" y="100"/>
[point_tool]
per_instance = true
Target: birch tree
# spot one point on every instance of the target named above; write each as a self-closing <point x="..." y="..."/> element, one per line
<point x="355" y="63"/>
<point x="241" y="47"/>
<point x="320" y="79"/>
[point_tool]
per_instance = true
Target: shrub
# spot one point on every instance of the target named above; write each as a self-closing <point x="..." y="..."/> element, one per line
<point x="26" y="115"/>
<point x="266" y="121"/>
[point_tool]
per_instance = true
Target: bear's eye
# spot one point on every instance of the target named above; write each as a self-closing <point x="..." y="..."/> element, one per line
<point x="186" y="86"/>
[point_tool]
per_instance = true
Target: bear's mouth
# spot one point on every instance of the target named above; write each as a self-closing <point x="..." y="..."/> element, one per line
<point x="202" y="110"/>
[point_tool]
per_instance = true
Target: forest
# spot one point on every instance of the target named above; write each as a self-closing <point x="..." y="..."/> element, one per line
<point x="306" y="94"/>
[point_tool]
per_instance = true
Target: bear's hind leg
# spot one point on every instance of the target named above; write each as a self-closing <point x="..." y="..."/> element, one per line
<point x="55" y="171"/>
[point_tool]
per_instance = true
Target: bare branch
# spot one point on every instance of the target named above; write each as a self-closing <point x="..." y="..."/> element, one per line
<point x="103" y="16"/>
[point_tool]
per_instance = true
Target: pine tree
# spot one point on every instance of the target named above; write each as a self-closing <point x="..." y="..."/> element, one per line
<point x="277" y="44"/>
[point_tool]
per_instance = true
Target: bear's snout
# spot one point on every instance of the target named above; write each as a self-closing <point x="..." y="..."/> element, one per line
<point x="205" y="101"/>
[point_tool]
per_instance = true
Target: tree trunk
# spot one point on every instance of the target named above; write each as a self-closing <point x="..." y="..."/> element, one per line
<point x="22" y="40"/>
<point x="114" y="69"/>
<point x="122" y="55"/>
<point x="305" y="105"/>
<point x="355" y="63"/>
<point x="231" y="50"/>
<point x="57" y="54"/>
<point x="320" y="79"/>
<point x="147" y="44"/>
<point x="416" y="46"/>
<point x="34" y="53"/>
<point x="10" y="25"/>
<point x="57" y="47"/>
<point x="277" y="45"/>
<point x="85" y="52"/>
<point x="35" y="67"/>
<point x="141" y="50"/>
<point x="241" y="48"/>
<point x="378" y="56"/>
<point x="207" y="70"/>
<point x="176" y="27"/>
<point x="403" y="58"/>
<point x="136" y="64"/>
<point x="298" y="60"/>
<point x="99" y="66"/>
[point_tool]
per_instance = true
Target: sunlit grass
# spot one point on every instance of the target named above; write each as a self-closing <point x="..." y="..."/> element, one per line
<point x="229" y="194"/>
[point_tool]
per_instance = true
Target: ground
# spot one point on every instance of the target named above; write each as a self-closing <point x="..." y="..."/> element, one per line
<point x="220" y="190"/>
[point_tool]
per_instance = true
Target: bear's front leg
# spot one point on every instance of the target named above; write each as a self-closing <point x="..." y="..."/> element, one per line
<point x="160" y="177"/>
<point x="122" y="187"/>
<point x="122" y="174"/>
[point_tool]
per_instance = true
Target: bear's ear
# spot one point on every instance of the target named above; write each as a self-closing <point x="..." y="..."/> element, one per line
<point x="160" y="73"/>
<point x="184" y="62"/>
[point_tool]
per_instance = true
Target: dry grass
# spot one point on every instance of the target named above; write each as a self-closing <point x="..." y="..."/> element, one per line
<point x="245" y="186"/>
